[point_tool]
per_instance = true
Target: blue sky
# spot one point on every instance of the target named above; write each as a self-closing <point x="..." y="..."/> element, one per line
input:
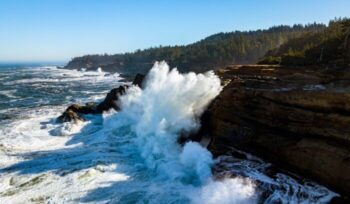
<point x="57" y="30"/>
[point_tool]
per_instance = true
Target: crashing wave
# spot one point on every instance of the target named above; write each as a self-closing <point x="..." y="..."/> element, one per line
<point x="128" y="156"/>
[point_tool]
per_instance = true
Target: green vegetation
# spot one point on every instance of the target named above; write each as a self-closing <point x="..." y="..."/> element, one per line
<point x="210" y="53"/>
<point x="330" y="46"/>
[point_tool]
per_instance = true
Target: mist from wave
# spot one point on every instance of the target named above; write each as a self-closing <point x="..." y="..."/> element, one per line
<point x="130" y="156"/>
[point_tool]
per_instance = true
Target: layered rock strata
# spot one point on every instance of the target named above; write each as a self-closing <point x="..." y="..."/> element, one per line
<point x="296" y="117"/>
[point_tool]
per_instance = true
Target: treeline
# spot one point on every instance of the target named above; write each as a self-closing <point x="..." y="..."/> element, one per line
<point x="330" y="46"/>
<point x="210" y="53"/>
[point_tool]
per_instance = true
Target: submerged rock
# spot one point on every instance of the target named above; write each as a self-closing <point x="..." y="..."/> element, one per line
<point x="275" y="113"/>
<point x="76" y="112"/>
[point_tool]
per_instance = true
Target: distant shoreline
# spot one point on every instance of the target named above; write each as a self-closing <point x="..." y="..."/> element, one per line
<point x="31" y="64"/>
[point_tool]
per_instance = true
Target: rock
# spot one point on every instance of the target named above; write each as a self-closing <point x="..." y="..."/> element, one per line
<point x="138" y="80"/>
<point x="75" y="112"/>
<point x="111" y="99"/>
<point x="202" y="135"/>
<point x="89" y="108"/>
<point x="68" y="116"/>
<point x="297" y="118"/>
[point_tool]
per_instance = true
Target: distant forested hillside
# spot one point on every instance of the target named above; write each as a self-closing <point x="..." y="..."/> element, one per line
<point x="210" y="53"/>
<point x="328" y="47"/>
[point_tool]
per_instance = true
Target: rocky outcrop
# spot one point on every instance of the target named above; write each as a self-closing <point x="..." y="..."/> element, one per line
<point x="111" y="99"/>
<point x="138" y="80"/>
<point x="76" y="112"/>
<point x="296" y="117"/>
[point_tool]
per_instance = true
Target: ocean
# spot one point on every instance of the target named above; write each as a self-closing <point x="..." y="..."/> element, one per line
<point x="130" y="156"/>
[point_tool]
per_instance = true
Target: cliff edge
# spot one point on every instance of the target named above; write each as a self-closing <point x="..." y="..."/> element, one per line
<point x="296" y="117"/>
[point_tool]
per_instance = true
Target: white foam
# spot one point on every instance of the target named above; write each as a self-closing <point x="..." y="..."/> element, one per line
<point x="126" y="156"/>
<point x="197" y="160"/>
<point x="8" y="93"/>
<point x="170" y="104"/>
<point x="54" y="75"/>
<point x="227" y="191"/>
<point x="44" y="146"/>
<point x="279" y="188"/>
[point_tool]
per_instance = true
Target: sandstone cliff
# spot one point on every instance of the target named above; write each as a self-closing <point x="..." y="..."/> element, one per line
<point x="296" y="117"/>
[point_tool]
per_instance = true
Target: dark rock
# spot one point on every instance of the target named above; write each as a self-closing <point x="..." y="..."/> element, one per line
<point x="202" y="135"/>
<point x="5" y="117"/>
<point x="286" y="116"/>
<point x="68" y="116"/>
<point x="75" y="112"/>
<point x="138" y="80"/>
<point x="111" y="99"/>
<point x="340" y="200"/>
<point x="89" y="108"/>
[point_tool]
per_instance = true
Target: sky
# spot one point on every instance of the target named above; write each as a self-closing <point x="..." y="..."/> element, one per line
<point x="58" y="30"/>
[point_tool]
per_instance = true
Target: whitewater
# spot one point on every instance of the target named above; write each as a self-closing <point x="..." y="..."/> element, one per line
<point x="129" y="156"/>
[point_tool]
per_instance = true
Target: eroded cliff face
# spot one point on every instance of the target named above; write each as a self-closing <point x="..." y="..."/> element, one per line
<point x="298" y="118"/>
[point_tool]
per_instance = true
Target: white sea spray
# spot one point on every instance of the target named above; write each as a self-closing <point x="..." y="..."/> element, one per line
<point x="170" y="103"/>
<point x="130" y="156"/>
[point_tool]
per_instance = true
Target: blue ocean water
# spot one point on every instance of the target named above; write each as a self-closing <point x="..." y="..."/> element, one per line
<point x="131" y="156"/>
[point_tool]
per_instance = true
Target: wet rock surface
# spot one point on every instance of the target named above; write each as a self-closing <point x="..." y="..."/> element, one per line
<point x="70" y="115"/>
<point x="138" y="80"/>
<point x="272" y="184"/>
<point x="76" y="112"/>
<point x="111" y="99"/>
<point x="295" y="117"/>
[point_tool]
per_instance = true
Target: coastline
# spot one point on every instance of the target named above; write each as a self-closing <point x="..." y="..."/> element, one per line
<point x="231" y="125"/>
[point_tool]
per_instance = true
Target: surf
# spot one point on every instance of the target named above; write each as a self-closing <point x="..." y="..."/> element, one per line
<point x="132" y="155"/>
